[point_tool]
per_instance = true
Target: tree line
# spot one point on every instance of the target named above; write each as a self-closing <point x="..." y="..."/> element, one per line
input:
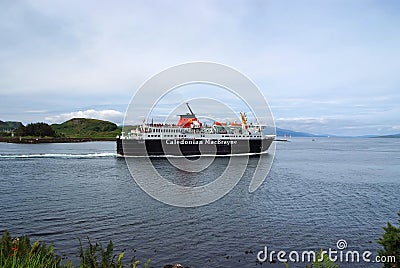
<point x="36" y="129"/>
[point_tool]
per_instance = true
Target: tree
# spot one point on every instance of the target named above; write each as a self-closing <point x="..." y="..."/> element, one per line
<point x="390" y="241"/>
<point x="20" y="131"/>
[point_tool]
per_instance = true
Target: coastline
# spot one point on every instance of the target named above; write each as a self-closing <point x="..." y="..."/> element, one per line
<point x="50" y="140"/>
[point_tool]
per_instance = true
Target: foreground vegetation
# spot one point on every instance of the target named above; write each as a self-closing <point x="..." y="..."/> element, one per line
<point x="20" y="253"/>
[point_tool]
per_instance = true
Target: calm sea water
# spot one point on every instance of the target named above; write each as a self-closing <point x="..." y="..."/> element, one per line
<point x="316" y="193"/>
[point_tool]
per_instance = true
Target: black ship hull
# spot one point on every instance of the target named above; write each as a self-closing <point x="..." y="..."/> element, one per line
<point x="187" y="147"/>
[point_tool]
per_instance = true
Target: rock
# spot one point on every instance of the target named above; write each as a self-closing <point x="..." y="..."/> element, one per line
<point x="177" y="265"/>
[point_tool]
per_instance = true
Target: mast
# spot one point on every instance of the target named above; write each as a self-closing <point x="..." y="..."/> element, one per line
<point x="187" y="104"/>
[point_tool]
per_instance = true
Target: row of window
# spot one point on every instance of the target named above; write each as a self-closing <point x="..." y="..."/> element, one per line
<point x="155" y="136"/>
<point x="167" y="130"/>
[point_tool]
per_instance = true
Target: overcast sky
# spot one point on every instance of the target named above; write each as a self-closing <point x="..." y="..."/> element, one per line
<point x="324" y="66"/>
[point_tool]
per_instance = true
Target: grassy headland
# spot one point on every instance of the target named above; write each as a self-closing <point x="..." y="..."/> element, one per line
<point x="87" y="128"/>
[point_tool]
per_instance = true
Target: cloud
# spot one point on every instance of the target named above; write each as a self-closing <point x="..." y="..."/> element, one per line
<point x="36" y="111"/>
<point x="102" y="47"/>
<point x="109" y="115"/>
<point x="323" y="59"/>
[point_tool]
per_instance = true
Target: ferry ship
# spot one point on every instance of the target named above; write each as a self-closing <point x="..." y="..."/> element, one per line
<point x="189" y="137"/>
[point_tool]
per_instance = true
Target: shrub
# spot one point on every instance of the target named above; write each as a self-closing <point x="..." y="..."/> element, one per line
<point x="390" y="241"/>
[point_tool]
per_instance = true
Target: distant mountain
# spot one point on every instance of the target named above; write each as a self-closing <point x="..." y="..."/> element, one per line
<point x="389" y="136"/>
<point x="363" y="136"/>
<point x="9" y="125"/>
<point x="280" y="132"/>
<point x="85" y="127"/>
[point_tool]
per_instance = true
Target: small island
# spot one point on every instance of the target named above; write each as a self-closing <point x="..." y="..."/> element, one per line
<point x="73" y="130"/>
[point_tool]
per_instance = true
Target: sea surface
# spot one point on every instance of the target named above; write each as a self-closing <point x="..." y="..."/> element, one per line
<point x="317" y="192"/>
